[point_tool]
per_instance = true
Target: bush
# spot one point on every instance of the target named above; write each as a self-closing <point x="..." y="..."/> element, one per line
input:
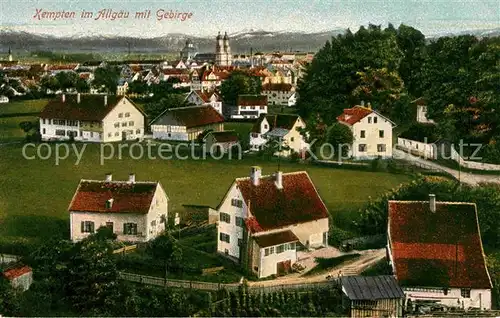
<point x="336" y="236"/>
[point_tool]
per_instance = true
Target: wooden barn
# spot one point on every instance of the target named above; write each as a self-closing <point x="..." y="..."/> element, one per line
<point x="372" y="296"/>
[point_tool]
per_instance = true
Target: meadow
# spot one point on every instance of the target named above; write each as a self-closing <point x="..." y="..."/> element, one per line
<point x="35" y="194"/>
<point x="13" y="113"/>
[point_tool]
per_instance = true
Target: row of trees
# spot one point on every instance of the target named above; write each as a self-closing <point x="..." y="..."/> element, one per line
<point x="457" y="76"/>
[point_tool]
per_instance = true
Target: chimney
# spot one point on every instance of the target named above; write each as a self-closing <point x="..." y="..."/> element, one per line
<point x="105" y="100"/>
<point x="255" y="175"/>
<point x="279" y="180"/>
<point x="131" y="178"/>
<point x="369" y="105"/>
<point x="63" y="98"/>
<point x="78" y="98"/>
<point x="362" y="103"/>
<point x="432" y="202"/>
<point x="109" y="177"/>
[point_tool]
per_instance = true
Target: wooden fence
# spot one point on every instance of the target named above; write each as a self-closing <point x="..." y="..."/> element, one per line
<point x="207" y="286"/>
<point x="8" y="258"/>
<point x="125" y="249"/>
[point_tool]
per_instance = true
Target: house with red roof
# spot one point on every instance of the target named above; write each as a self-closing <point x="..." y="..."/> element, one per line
<point x="249" y="106"/>
<point x="136" y="211"/>
<point x="186" y="123"/>
<point x="263" y="220"/>
<point x="372" y="132"/>
<point x="91" y="118"/>
<point x="199" y="97"/>
<point x="436" y="253"/>
<point x="20" y="276"/>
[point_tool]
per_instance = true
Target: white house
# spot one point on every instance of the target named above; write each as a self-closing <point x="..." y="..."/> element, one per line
<point x="372" y="132"/>
<point x="218" y="142"/>
<point x="278" y="94"/>
<point x="264" y="219"/>
<point x="136" y="211"/>
<point x="94" y="118"/>
<point x="292" y="100"/>
<point x="436" y="253"/>
<point x="284" y="128"/>
<point x="199" y="97"/>
<point x="4" y="99"/>
<point x="20" y="276"/>
<point x="249" y="107"/>
<point x="186" y="123"/>
<point x="422" y="111"/>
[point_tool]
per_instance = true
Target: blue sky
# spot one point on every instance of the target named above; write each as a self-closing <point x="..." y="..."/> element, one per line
<point x="210" y="16"/>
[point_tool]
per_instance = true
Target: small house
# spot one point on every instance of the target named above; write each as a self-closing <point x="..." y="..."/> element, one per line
<point x="19" y="276"/>
<point x="220" y="142"/>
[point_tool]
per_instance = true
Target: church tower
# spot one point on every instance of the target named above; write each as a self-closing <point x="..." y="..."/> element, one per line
<point x="10" y="55"/>
<point x="223" y="55"/>
<point x="227" y="51"/>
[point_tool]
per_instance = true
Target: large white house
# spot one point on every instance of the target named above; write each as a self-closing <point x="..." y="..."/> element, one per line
<point x="250" y="107"/>
<point x="186" y="123"/>
<point x="284" y="128"/>
<point x="278" y="94"/>
<point x="94" y="118"/>
<point x="136" y="211"/>
<point x="436" y="253"/>
<point x="264" y="219"/>
<point x="199" y="97"/>
<point x="372" y="132"/>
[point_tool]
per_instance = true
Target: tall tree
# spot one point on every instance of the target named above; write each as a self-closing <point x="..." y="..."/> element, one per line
<point x="106" y="77"/>
<point x="165" y="249"/>
<point x="239" y="83"/>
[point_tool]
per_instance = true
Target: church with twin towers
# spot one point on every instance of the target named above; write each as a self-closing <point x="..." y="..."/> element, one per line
<point x="223" y="55"/>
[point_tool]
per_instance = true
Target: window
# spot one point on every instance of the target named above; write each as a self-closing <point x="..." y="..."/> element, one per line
<point x="120" y="115"/>
<point x="224" y="217"/>
<point x="43" y="131"/>
<point x="131" y="123"/>
<point x="375" y="120"/>
<point x="381" y="133"/>
<point x="265" y="126"/>
<point x="369" y="120"/>
<point x="237" y="203"/>
<point x="72" y="123"/>
<point x="88" y="227"/>
<point x="362" y="147"/>
<point x="224" y="237"/>
<point x="266" y="252"/>
<point x="130" y="228"/>
<point x="117" y="125"/>
<point x="255" y="135"/>
<point x="445" y="291"/>
<point x="291" y="246"/>
<point x="43" y="121"/>
<point x="127" y="114"/>
<point x="59" y="122"/>
<point x="240" y="242"/>
<point x="110" y="134"/>
<point x="363" y="134"/>
<point x="153" y="223"/>
<point x="292" y="139"/>
<point x="117" y="134"/>
<point x="124" y="124"/>
<point x="465" y="292"/>
<point x="262" y="107"/>
<point x="138" y="131"/>
<point x="280" y="249"/>
<point x="60" y="132"/>
<point x="239" y="221"/>
<point x="381" y="147"/>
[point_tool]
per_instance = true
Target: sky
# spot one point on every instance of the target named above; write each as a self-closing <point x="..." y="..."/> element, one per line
<point x="432" y="17"/>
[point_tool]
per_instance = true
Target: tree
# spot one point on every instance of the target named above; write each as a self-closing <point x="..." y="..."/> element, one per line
<point x="155" y="108"/>
<point x="49" y="83"/>
<point x="82" y="86"/>
<point x="106" y="77"/>
<point x="67" y="79"/>
<point x="165" y="249"/>
<point x="105" y="233"/>
<point x="9" y="303"/>
<point x="239" y="83"/>
<point x="340" y="137"/>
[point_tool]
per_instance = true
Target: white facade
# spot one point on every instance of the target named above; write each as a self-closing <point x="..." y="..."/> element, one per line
<point x="248" y="112"/>
<point x="464" y="298"/>
<point x="278" y="97"/>
<point x="427" y="150"/>
<point x="234" y="231"/>
<point x="422" y="115"/>
<point x="292" y="100"/>
<point x="268" y="263"/>
<point x="372" y="137"/>
<point x="4" y="99"/>
<point x="123" y="122"/>
<point x="170" y="132"/>
<point x="149" y="225"/>
<point x="213" y="101"/>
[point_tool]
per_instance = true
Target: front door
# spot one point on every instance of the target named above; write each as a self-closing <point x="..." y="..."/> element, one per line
<point x="284" y="267"/>
<point x="109" y="225"/>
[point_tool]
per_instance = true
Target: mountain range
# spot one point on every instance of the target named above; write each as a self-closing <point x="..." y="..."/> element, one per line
<point x="241" y="42"/>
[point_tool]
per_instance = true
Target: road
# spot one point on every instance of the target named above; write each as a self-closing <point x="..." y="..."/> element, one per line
<point x="465" y="177"/>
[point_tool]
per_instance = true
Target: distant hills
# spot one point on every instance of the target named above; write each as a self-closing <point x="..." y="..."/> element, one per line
<point x="241" y="42"/>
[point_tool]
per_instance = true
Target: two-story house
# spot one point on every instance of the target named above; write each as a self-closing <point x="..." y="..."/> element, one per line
<point x="372" y="132"/>
<point x="249" y="107"/>
<point x="278" y="94"/>
<point x="136" y="211"/>
<point x="284" y="128"/>
<point x="93" y="118"/>
<point x="186" y="123"/>
<point x="436" y="253"/>
<point x="264" y="219"/>
<point x="199" y="97"/>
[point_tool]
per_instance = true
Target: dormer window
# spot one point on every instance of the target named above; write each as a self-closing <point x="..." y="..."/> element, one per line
<point x="374" y="120"/>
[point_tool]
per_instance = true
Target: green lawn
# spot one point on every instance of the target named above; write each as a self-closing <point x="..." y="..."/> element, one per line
<point x="243" y="129"/>
<point x="35" y="194"/>
<point x="23" y="106"/>
<point x="9" y="128"/>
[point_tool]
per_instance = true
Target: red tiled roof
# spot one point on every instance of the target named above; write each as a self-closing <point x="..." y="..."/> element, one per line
<point x="175" y="71"/>
<point x="437" y="249"/>
<point x="91" y="196"/>
<point x="91" y="107"/>
<point x="85" y="75"/>
<point x="277" y="87"/>
<point x="13" y="273"/>
<point x="252" y="100"/>
<point x="62" y="67"/>
<point x="225" y="136"/>
<point x="275" y="238"/>
<point x="353" y="115"/>
<point x="189" y="117"/>
<point x="297" y="202"/>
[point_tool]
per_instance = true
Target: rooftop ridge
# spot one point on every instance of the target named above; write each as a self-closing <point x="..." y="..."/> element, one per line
<point x="118" y="181"/>
<point x="441" y="202"/>
<point x="270" y="175"/>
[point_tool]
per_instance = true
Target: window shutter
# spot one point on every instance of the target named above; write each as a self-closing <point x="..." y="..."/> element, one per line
<point x="91" y="227"/>
<point x="83" y="226"/>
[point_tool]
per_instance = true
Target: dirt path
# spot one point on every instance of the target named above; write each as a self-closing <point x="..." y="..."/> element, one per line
<point x="466" y="177"/>
<point x="367" y="259"/>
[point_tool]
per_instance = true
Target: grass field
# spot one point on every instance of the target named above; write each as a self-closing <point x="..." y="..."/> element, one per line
<point x="35" y="194"/>
<point x="242" y="129"/>
<point x="23" y="106"/>
<point x="10" y="130"/>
